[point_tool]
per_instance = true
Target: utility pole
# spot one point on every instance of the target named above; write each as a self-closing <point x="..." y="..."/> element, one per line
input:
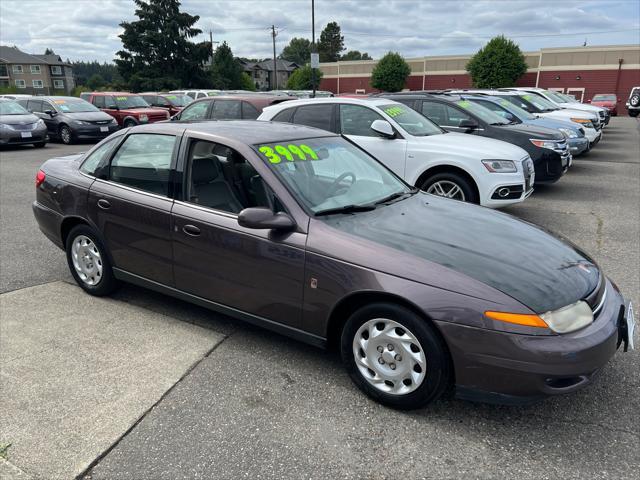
<point x="211" y="41"/>
<point x="313" y="47"/>
<point x="275" y="65"/>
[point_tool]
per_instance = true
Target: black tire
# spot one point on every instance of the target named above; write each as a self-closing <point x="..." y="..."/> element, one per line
<point x="40" y="144"/>
<point x="439" y="373"/>
<point x="129" y="123"/>
<point x="463" y="183"/>
<point x="634" y="113"/>
<point x="65" y="135"/>
<point x="107" y="283"/>
<point x="634" y="101"/>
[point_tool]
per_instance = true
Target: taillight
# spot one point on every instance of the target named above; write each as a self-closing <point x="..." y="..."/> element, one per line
<point x="40" y="176"/>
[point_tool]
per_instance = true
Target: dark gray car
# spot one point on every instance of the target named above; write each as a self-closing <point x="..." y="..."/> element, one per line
<point x="71" y="119"/>
<point x="19" y="127"/>
<point x="300" y="231"/>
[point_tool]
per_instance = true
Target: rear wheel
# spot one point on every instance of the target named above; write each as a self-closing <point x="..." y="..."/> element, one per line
<point x="634" y="113"/>
<point x="450" y="185"/>
<point x="65" y="135"/>
<point x="395" y="356"/>
<point x="88" y="262"/>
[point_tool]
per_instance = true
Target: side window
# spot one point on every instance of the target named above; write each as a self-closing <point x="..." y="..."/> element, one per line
<point x="357" y="120"/>
<point x="161" y="102"/>
<point x="47" y="106"/>
<point x="226" y="110"/>
<point x="99" y="101"/>
<point x="195" y="111"/>
<point x="249" y="112"/>
<point x="94" y="163"/>
<point x="319" y="116"/>
<point x="35" y="106"/>
<point x="434" y="112"/>
<point x="191" y="94"/>
<point x="110" y="102"/>
<point x="284" y="116"/>
<point x="150" y="99"/>
<point x="221" y="178"/>
<point x="455" y="116"/>
<point x="144" y="161"/>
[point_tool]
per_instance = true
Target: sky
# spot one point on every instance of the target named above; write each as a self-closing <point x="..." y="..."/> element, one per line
<point x="89" y="29"/>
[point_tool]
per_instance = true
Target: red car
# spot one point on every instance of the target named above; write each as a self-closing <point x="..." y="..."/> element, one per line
<point x="129" y="109"/>
<point x="606" y="100"/>
<point x="171" y="102"/>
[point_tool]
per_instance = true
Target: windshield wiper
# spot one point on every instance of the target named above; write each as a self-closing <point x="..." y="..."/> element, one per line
<point x="395" y="196"/>
<point x="346" y="209"/>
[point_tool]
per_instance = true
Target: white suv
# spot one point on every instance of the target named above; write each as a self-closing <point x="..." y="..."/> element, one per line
<point x="474" y="169"/>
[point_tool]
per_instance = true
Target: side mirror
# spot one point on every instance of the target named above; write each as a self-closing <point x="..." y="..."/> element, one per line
<point x="588" y="101"/>
<point x="468" y="125"/>
<point x="263" y="218"/>
<point x="51" y="113"/>
<point x="384" y="128"/>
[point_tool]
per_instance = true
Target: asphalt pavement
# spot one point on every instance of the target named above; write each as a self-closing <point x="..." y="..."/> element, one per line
<point x="259" y="405"/>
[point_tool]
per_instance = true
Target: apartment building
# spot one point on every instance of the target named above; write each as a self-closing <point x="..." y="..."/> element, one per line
<point x="34" y="74"/>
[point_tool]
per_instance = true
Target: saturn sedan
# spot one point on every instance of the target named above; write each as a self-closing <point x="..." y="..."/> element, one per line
<point x="302" y="232"/>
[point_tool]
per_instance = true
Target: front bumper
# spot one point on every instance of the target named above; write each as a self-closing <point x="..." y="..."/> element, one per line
<point x="592" y="135"/>
<point x="519" y="189"/>
<point x="502" y="367"/>
<point x="578" y="145"/>
<point x="17" y="137"/>
<point x="90" y="132"/>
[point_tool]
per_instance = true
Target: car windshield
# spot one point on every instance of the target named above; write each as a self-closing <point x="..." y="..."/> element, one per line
<point x="603" y="98"/>
<point x="130" y="101"/>
<point x="555" y="96"/>
<point x="330" y="174"/>
<point x="483" y="113"/>
<point x="12" y="108"/>
<point x="539" y="102"/>
<point x="414" y="123"/>
<point x="74" y="106"/>
<point x="521" y="113"/>
<point x="178" y="99"/>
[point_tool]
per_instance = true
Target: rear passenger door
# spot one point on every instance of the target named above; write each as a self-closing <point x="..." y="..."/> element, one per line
<point x="131" y="205"/>
<point x="226" y="110"/>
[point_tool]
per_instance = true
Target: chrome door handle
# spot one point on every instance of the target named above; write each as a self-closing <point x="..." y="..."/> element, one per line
<point x="104" y="204"/>
<point x="191" y="230"/>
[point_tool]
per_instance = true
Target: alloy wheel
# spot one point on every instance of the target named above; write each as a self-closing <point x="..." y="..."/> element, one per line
<point x="389" y="356"/>
<point x="65" y="135"/>
<point x="87" y="260"/>
<point x="447" y="189"/>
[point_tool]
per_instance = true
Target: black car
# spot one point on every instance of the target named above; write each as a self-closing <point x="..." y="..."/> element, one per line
<point x="71" y="119"/>
<point x="548" y="148"/>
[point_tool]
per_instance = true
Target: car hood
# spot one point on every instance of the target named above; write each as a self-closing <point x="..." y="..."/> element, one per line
<point x="581" y="107"/>
<point x="607" y="103"/>
<point x="89" y="116"/>
<point x="521" y="260"/>
<point x="533" y="131"/>
<point x="18" y="119"/>
<point x="549" y="122"/>
<point x="470" y="145"/>
<point x="570" y="112"/>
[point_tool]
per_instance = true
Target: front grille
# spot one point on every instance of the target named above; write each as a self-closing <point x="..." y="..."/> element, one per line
<point x="27" y="127"/>
<point x="101" y="122"/>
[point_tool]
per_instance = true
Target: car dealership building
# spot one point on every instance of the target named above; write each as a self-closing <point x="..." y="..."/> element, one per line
<point x="578" y="71"/>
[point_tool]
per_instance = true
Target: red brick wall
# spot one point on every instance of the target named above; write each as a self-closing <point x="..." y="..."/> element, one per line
<point x="442" y="82"/>
<point x="527" y="80"/>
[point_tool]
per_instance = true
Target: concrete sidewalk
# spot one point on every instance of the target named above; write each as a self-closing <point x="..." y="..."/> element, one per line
<point x="77" y="372"/>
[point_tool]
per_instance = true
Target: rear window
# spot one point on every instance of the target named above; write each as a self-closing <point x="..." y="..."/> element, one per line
<point x="284" y="116"/>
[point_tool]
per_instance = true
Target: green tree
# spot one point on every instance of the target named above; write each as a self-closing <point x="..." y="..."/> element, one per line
<point x="298" y="51"/>
<point x="48" y="51"/>
<point x="78" y="89"/>
<point x="300" y="79"/>
<point x="331" y="43"/>
<point x="226" y="72"/>
<point x="157" y="51"/>
<point x="390" y="73"/>
<point x="498" y="64"/>
<point x="96" y="82"/>
<point x="355" y="55"/>
<point x="247" y="83"/>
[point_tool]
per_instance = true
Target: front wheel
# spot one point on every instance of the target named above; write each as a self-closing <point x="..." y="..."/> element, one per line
<point x="450" y="185"/>
<point x="129" y="124"/>
<point x="89" y="263"/>
<point x="395" y="356"/>
<point x="65" y="135"/>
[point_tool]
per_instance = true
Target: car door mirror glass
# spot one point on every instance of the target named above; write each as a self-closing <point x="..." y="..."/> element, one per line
<point x="384" y="128"/>
<point x="263" y="218"/>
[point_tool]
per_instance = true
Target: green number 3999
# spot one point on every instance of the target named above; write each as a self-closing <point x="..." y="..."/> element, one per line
<point x="290" y="152"/>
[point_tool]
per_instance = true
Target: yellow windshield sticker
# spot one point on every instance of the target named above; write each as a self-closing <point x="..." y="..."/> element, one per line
<point x="394" y="111"/>
<point x="60" y="102"/>
<point x="526" y="97"/>
<point x="172" y="97"/>
<point x="123" y="99"/>
<point x="290" y="152"/>
<point x="464" y="103"/>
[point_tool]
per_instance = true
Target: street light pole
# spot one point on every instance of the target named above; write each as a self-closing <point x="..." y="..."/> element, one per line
<point x="313" y="47"/>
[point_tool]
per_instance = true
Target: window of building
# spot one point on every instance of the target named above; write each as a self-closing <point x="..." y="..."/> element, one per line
<point x="58" y="84"/>
<point x="35" y="69"/>
<point x="38" y="84"/>
<point x="56" y="70"/>
<point x="4" y="71"/>
<point x="21" y="84"/>
<point x="17" y="69"/>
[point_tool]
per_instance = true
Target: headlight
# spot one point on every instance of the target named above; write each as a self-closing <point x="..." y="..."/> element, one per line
<point x="564" y="320"/>
<point x="81" y="122"/>
<point x="40" y="123"/>
<point x="550" y="144"/>
<point x="500" y="166"/>
<point x="143" y="118"/>
<point x="5" y="126"/>
<point x="569" y="133"/>
<point x="569" y="318"/>
<point x="582" y="121"/>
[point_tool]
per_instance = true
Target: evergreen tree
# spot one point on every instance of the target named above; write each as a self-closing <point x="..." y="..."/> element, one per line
<point x="498" y="64"/>
<point x="157" y="51"/>
<point x="298" y="51"/>
<point x="226" y="72"/>
<point x="390" y="73"/>
<point x="300" y="79"/>
<point x="331" y="43"/>
<point x="355" y="55"/>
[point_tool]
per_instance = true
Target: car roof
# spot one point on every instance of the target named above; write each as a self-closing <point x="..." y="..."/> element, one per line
<point x="369" y="101"/>
<point x="111" y="93"/>
<point x="250" y="132"/>
<point x="59" y="97"/>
